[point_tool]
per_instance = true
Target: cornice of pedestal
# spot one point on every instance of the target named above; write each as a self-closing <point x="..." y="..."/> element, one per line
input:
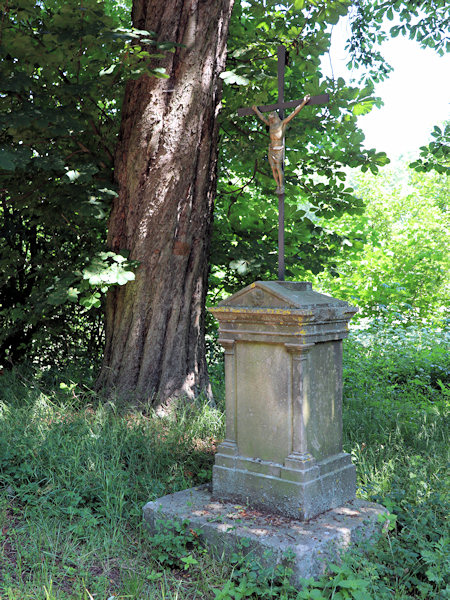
<point x="282" y="312"/>
<point x="315" y="314"/>
<point x="274" y="331"/>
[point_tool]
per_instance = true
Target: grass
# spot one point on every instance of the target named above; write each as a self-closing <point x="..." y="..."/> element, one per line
<point x="75" y="473"/>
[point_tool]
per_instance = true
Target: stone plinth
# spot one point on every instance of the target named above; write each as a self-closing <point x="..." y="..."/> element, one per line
<point x="225" y="527"/>
<point x="283" y="379"/>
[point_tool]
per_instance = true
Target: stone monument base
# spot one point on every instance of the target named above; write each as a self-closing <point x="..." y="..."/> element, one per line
<point x="313" y="543"/>
<point x="298" y="489"/>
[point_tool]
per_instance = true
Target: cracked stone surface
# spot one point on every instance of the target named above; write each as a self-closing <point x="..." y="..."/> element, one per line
<point x="224" y="525"/>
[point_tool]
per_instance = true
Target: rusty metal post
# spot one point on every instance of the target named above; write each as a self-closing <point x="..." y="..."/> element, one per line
<point x="281" y="59"/>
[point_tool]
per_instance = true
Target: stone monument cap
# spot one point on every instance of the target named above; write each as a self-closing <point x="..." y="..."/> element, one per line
<point x="282" y="295"/>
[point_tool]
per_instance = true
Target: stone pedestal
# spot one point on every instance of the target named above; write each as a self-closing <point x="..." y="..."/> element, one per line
<point x="283" y="448"/>
<point x="283" y="379"/>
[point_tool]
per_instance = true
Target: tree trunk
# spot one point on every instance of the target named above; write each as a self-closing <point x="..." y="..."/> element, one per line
<point x="166" y="170"/>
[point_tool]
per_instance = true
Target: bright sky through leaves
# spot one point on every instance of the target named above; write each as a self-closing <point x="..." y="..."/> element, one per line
<point x="416" y="95"/>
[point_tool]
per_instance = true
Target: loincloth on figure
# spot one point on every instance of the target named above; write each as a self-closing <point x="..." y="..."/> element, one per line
<point x="275" y="154"/>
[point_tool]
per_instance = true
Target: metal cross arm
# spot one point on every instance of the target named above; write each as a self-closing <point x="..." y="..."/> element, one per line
<point x="321" y="99"/>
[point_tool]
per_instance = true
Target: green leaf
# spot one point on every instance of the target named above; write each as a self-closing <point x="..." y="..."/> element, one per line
<point x="107" y="71"/>
<point x="57" y="298"/>
<point x="315" y="594"/>
<point x="72" y="294"/>
<point x="230" y="77"/>
<point x="363" y="108"/>
<point x="159" y="72"/>
<point x="7" y="162"/>
<point x="91" y="301"/>
<point x="124" y="277"/>
<point x="353" y="584"/>
<point x="360" y="594"/>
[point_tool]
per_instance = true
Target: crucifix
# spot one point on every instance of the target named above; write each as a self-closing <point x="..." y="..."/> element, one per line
<point x="277" y="125"/>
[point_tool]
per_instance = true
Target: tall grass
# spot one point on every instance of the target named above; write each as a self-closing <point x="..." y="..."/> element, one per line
<point x="75" y="473"/>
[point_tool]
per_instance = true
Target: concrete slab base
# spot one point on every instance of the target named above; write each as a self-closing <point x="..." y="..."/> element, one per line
<point x="224" y="525"/>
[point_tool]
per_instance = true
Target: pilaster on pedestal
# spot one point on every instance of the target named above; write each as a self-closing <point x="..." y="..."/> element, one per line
<point x="229" y="445"/>
<point x="300" y="462"/>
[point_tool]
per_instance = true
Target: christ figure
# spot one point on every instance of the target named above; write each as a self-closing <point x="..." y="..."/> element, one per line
<point x="277" y="127"/>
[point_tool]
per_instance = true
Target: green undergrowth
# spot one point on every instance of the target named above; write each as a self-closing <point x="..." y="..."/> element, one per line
<point x="396" y="409"/>
<point x="76" y="472"/>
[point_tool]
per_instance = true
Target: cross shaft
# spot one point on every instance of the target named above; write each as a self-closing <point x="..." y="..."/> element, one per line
<point x="280" y="106"/>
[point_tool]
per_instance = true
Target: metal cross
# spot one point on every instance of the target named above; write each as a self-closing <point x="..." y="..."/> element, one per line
<point x="280" y="106"/>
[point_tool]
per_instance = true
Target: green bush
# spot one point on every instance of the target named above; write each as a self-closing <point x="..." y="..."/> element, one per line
<point x="394" y="263"/>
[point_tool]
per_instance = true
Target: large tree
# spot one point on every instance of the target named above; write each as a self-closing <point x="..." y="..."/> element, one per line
<point x="166" y="171"/>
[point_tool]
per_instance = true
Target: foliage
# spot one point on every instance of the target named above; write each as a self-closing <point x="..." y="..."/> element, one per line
<point x="395" y="260"/>
<point x="436" y="155"/>
<point x="397" y="385"/>
<point x="63" y="67"/>
<point x="256" y="578"/>
<point x="320" y="143"/>
<point x="245" y="236"/>
<point x="342" y="584"/>
<point x="173" y="543"/>
<point x="421" y="368"/>
<point x="75" y="473"/>
<point x="425" y="21"/>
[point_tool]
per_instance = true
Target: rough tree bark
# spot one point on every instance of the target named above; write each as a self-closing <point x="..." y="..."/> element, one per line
<point x="166" y="171"/>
